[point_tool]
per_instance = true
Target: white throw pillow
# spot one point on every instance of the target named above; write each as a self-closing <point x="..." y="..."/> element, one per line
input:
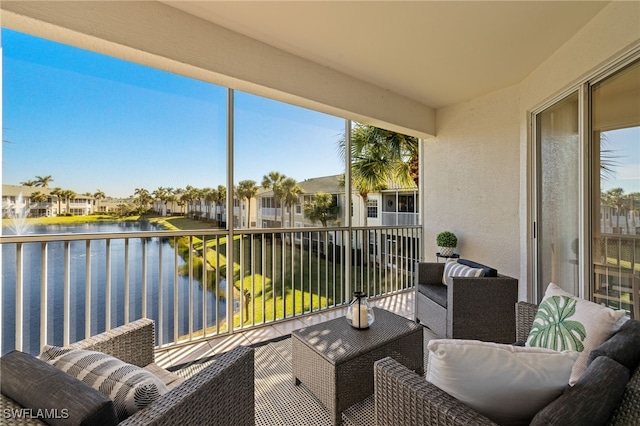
<point x="454" y="269"/>
<point x="509" y="384"/>
<point x="566" y="322"/>
<point x="131" y="388"/>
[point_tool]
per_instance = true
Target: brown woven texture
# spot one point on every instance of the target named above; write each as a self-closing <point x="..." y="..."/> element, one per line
<point x="525" y="314"/>
<point x="477" y="308"/>
<point x="335" y="361"/>
<point x="403" y="397"/>
<point x="221" y="394"/>
<point x="628" y="412"/>
<point x="132" y="343"/>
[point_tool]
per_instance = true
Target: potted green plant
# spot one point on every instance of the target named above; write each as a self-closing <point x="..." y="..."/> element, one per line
<point x="447" y="241"/>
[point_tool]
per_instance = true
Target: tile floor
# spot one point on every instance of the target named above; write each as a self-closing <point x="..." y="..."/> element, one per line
<point x="400" y="303"/>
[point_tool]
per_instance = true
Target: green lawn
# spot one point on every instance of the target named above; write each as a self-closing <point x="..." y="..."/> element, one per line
<point x="271" y="293"/>
<point x="70" y="220"/>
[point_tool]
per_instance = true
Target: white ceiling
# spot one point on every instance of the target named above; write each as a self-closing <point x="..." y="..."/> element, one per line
<point x="435" y="52"/>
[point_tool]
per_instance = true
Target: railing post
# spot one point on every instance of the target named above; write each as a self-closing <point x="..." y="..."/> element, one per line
<point x="19" y="297"/>
<point x="229" y="246"/>
<point x="87" y="289"/>
<point x="43" y="294"/>
<point x="347" y="212"/>
<point x="66" y="330"/>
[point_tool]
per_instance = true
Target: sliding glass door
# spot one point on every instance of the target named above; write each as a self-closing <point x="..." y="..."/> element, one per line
<point x="586" y="216"/>
<point x="615" y="224"/>
<point x="558" y="209"/>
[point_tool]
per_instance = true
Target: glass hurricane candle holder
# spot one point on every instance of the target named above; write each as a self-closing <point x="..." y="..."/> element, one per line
<point x="359" y="313"/>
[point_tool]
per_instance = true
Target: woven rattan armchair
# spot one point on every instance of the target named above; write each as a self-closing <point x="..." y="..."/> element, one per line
<point x="221" y="394"/>
<point x="402" y="397"/>
<point x="468" y="308"/>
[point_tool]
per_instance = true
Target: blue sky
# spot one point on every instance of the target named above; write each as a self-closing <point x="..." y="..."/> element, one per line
<point x="95" y="122"/>
<point x="625" y="148"/>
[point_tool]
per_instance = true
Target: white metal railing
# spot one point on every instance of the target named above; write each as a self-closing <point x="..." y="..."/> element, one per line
<point x="616" y="271"/>
<point x="399" y="219"/>
<point x="58" y="289"/>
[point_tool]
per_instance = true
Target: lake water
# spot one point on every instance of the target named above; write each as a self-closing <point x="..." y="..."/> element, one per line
<point x="78" y="255"/>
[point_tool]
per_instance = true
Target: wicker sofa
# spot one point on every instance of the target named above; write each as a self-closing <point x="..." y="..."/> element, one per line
<point x="468" y="308"/>
<point x="422" y="403"/>
<point x="221" y="394"/>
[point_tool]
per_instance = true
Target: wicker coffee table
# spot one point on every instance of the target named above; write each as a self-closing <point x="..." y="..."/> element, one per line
<point x="335" y="361"/>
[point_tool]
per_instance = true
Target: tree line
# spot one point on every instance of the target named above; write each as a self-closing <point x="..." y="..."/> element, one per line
<point x="378" y="158"/>
<point x="623" y="205"/>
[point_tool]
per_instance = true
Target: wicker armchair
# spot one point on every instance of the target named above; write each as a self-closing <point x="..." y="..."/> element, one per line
<point x="404" y="397"/>
<point x="469" y="308"/>
<point x="221" y="394"/>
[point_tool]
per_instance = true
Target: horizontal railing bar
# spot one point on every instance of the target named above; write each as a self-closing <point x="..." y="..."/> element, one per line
<point x="33" y="238"/>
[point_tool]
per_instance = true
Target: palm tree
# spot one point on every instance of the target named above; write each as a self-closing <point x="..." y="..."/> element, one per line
<point x="187" y="196"/>
<point x="99" y="195"/>
<point x="178" y="192"/>
<point x="615" y="198"/>
<point x="290" y="195"/>
<point x="69" y="195"/>
<point x="247" y="189"/>
<point x="143" y="197"/>
<point x="28" y="183"/>
<point x="634" y="206"/>
<point x="58" y="193"/>
<point x="322" y="208"/>
<point x="38" y="197"/>
<point x="380" y="157"/>
<point x="209" y="195"/>
<point x="43" y="181"/>
<point x="220" y="198"/>
<point x="160" y="195"/>
<point x="169" y="198"/>
<point x="274" y="181"/>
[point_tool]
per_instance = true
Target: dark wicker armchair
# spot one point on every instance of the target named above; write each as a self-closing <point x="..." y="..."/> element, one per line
<point x="469" y="308"/>
<point x="402" y="397"/>
<point x="221" y="394"/>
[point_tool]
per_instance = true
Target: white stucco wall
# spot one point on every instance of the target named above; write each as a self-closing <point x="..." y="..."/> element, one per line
<point x="471" y="173"/>
<point x="476" y="170"/>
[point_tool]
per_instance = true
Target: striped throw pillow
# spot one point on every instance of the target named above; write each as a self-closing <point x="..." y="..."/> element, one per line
<point x="454" y="269"/>
<point x="131" y="388"/>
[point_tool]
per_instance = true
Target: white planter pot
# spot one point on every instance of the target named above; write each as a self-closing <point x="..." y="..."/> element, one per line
<point x="446" y="251"/>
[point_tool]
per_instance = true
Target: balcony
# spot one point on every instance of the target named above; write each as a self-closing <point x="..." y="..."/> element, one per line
<point x="68" y="287"/>
<point x="59" y="289"/>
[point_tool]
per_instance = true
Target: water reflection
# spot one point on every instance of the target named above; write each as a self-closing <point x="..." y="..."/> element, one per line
<point x="155" y="248"/>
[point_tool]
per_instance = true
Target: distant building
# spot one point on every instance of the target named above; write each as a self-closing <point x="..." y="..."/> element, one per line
<point x="395" y="206"/>
<point x="18" y="197"/>
<point x="51" y="206"/>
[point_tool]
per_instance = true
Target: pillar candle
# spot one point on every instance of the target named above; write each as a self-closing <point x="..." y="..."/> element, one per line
<point x="359" y="316"/>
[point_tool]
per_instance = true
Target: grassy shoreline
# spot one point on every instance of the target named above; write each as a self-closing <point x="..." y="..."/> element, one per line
<point x="71" y="220"/>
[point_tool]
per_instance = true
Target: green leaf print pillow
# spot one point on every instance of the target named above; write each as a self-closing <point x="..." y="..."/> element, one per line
<point x="566" y="322"/>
